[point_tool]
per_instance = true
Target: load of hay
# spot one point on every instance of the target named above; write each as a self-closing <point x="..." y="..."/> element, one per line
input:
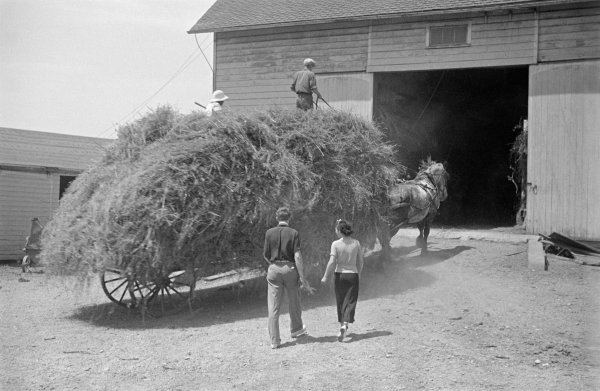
<point x="193" y="192"/>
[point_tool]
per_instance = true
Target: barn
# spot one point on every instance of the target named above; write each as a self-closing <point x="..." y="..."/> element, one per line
<point x="35" y="170"/>
<point x="454" y="80"/>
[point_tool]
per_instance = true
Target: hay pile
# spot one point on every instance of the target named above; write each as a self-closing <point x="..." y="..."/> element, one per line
<point x="188" y="191"/>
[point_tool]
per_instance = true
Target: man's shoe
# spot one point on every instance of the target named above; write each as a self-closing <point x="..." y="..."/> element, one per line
<point x="300" y="332"/>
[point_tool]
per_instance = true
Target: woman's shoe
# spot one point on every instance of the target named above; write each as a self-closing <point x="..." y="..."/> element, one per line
<point x="342" y="333"/>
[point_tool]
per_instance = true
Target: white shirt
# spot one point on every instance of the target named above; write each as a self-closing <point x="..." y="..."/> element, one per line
<point x="345" y="250"/>
<point x="213" y="107"/>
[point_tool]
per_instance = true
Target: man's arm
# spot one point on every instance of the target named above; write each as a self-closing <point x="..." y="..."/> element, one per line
<point x="267" y="250"/>
<point x="300" y="266"/>
<point x="313" y="86"/>
<point x="293" y="86"/>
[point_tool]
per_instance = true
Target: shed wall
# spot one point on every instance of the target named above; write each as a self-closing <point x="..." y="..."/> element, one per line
<point x="23" y="196"/>
<point x="563" y="145"/>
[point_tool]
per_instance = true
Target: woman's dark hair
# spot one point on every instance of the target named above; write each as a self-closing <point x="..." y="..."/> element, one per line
<point x="344" y="227"/>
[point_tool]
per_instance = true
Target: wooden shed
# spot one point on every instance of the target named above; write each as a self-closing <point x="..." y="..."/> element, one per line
<point x="448" y="79"/>
<point x="35" y="170"/>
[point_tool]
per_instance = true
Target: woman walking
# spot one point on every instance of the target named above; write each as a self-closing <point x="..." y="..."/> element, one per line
<point x="346" y="257"/>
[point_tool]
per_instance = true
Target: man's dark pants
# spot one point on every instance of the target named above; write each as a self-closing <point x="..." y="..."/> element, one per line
<point x="304" y="101"/>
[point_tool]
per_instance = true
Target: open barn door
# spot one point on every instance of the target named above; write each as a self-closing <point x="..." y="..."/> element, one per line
<point x="562" y="162"/>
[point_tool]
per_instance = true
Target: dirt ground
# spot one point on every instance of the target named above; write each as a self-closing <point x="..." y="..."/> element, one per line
<point x="469" y="315"/>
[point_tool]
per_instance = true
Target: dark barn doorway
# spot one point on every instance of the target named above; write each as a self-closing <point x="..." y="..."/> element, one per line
<point x="463" y="117"/>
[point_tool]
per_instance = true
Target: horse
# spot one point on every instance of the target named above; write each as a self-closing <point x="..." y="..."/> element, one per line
<point x="415" y="201"/>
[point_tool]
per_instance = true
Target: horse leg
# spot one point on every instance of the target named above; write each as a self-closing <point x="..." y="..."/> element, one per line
<point x="386" y="249"/>
<point x="426" y="226"/>
<point x="421" y="226"/>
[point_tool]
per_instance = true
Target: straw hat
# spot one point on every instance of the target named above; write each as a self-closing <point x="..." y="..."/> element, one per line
<point x="218" y="96"/>
<point x="309" y="61"/>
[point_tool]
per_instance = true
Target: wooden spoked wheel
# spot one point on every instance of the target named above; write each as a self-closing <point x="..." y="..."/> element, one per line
<point x="160" y="292"/>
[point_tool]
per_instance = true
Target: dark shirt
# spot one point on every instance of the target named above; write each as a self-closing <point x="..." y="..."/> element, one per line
<point x="304" y="82"/>
<point x="281" y="243"/>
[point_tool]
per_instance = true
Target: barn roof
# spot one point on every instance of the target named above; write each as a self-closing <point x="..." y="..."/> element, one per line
<point x="27" y="148"/>
<point x="230" y="15"/>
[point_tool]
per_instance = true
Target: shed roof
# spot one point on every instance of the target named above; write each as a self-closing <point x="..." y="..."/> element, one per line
<point x="28" y="148"/>
<point x="231" y="15"/>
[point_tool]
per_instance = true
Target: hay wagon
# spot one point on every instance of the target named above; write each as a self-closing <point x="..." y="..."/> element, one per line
<point x="161" y="290"/>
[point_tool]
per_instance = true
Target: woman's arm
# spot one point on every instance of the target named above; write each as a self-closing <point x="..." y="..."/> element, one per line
<point x="328" y="269"/>
<point x="361" y="259"/>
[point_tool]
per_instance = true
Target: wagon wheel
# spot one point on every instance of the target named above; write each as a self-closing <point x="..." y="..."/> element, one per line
<point x="161" y="292"/>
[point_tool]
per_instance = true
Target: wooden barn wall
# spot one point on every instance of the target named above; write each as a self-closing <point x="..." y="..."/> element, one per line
<point x="496" y="40"/>
<point x="352" y="92"/>
<point x="24" y="196"/>
<point x="570" y="34"/>
<point x="255" y="68"/>
<point x="563" y="146"/>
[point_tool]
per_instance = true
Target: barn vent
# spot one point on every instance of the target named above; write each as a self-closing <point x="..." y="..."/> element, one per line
<point x="444" y="36"/>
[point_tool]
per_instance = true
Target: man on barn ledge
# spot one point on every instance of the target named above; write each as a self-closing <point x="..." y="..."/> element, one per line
<point x="285" y="273"/>
<point x="304" y="85"/>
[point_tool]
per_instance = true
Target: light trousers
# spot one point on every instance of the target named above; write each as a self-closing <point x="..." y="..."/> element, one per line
<point x="283" y="278"/>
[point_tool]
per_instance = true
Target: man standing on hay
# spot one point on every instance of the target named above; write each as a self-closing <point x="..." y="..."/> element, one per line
<point x="304" y="85"/>
<point x="285" y="273"/>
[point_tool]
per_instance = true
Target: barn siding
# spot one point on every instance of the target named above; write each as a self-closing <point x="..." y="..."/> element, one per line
<point x="352" y="92"/>
<point x="255" y="68"/>
<point x="570" y="34"/>
<point x="496" y="40"/>
<point x="563" y="149"/>
<point x="24" y="196"/>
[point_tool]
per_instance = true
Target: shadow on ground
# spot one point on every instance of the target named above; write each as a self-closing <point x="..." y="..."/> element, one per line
<point x="231" y="305"/>
<point x="350" y="337"/>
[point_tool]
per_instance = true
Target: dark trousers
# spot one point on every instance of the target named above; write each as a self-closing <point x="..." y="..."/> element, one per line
<point x="304" y="101"/>
<point x="346" y="295"/>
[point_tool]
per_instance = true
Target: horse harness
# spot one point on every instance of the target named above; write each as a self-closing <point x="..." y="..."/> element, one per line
<point x="432" y="191"/>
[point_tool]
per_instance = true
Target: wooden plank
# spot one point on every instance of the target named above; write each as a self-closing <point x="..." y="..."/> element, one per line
<point x="293" y="30"/>
<point x="577" y="11"/>
<point x="449" y="57"/>
<point x="277" y="53"/>
<point x="265" y="64"/>
<point x="477" y="31"/>
<point x="569" y="54"/>
<point x="569" y="42"/>
<point x="445" y="52"/>
<point x="477" y="39"/>
<point x="555" y="31"/>
<point x="251" y="41"/>
<point x="351" y="64"/>
<point x="280" y="48"/>
<point x="419" y="22"/>
<point x="451" y="65"/>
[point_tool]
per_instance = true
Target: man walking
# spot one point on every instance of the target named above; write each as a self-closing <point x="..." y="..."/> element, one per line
<point x="304" y="85"/>
<point x="285" y="274"/>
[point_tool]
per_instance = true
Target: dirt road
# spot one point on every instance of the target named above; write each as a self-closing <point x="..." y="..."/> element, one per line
<point x="469" y="315"/>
